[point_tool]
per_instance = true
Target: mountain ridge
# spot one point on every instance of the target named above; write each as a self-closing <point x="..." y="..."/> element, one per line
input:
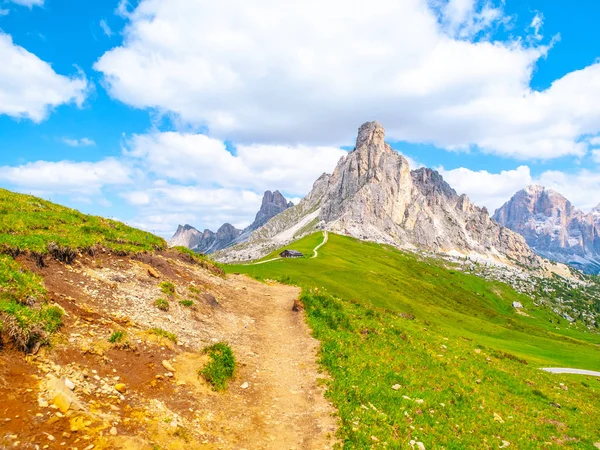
<point x="373" y="195"/>
<point x="553" y="227"/>
<point x="227" y="235"/>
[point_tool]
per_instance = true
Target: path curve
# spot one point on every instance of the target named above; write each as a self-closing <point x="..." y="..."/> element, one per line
<point x="316" y="250"/>
<point x="571" y="371"/>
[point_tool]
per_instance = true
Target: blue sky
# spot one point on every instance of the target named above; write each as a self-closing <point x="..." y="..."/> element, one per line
<point x="162" y="112"/>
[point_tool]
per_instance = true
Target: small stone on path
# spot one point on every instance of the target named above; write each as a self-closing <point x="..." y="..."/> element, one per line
<point x="245" y="385"/>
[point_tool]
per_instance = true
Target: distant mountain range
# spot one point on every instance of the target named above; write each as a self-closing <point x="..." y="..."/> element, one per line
<point x="553" y="227"/>
<point x="227" y="235"/>
<point x="373" y="195"/>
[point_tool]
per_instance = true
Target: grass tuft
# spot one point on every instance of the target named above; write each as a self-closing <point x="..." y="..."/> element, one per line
<point x="117" y="337"/>
<point x="162" y="304"/>
<point x="186" y="303"/>
<point x="220" y="367"/>
<point x="167" y="288"/>
<point x="164" y="334"/>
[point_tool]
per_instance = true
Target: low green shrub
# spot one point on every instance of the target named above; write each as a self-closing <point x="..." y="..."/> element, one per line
<point x="220" y="367"/>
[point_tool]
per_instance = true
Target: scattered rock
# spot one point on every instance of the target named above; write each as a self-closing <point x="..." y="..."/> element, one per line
<point x="498" y="418"/>
<point x="113" y="431"/>
<point x="121" y="388"/>
<point x="245" y="385"/>
<point x="69" y="383"/>
<point x="597" y="444"/>
<point x="62" y="402"/>
<point x="374" y="439"/>
<point x="167" y="365"/>
<point x="505" y="444"/>
<point x="396" y="387"/>
<point x="153" y="272"/>
<point x="477" y="350"/>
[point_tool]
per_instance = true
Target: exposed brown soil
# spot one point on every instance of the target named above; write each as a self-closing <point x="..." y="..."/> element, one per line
<point x="275" y="400"/>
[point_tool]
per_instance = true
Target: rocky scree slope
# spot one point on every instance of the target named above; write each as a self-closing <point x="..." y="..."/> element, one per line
<point x="227" y="235"/>
<point x="373" y="195"/>
<point x="553" y="227"/>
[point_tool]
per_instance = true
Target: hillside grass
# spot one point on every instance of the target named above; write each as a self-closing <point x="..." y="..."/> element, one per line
<point x="30" y="224"/>
<point x="466" y="364"/>
<point x="38" y="228"/>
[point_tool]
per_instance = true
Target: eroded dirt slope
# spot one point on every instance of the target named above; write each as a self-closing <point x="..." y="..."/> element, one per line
<point x="144" y="393"/>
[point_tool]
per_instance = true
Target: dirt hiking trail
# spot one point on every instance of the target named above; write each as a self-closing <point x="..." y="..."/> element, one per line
<point x="283" y="406"/>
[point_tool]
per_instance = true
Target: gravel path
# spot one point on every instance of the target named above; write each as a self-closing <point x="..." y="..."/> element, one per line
<point x="573" y="371"/>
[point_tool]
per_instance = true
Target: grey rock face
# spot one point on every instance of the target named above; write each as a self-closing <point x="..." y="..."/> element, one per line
<point x="273" y="203"/>
<point x="372" y="194"/>
<point x="553" y="227"/>
<point x="227" y="235"/>
<point x="186" y="236"/>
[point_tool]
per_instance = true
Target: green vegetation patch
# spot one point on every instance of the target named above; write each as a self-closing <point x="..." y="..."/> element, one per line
<point x="25" y="317"/>
<point x="162" y="304"/>
<point x="30" y="224"/>
<point x="167" y="288"/>
<point x="395" y="380"/>
<point x="186" y="303"/>
<point x="117" y="337"/>
<point x="221" y="365"/>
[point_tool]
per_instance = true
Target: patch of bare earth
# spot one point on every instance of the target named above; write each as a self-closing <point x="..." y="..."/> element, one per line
<point x="145" y="393"/>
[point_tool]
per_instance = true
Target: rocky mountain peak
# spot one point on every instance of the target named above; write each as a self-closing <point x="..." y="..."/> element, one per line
<point x="272" y="204"/>
<point x="208" y="241"/>
<point x="372" y="135"/>
<point x="553" y="227"/>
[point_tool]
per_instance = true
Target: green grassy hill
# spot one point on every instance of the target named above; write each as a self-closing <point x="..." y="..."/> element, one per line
<point x="463" y="362"/>
<point x="33" y="227"/>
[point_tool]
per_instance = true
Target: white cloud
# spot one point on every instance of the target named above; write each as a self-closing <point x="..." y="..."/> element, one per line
<point x="494" y="189"/>
<point x="28" y="3"/>
<point x="83" y="142"/>
<point x="487" y="189"/>
<point x="536" y="25"/>
<point x="313" y="71"/>
<point x="81" y="179"/>
<point x="107" y="31"/>
<point x="205" y="161"/>
<point x="4" y="12"/>
<point x="596" y="155"/>
<point x="581" y="187"/>
<point x="163" y="206"/>
<point x="122" y="9"/>
<point x="29" y="87"/>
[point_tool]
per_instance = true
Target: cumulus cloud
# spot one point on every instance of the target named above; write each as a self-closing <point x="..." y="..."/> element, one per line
<point x="66" y="177"/>
<point x="29" y="87"/>
<point x="313" y="71"/>
<point x="492" y="190"/>
<point x="205" y="161"/>
<point x="163" y="206"/>
<point x="83" y="142"/>
<point x="487" y="189"/>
